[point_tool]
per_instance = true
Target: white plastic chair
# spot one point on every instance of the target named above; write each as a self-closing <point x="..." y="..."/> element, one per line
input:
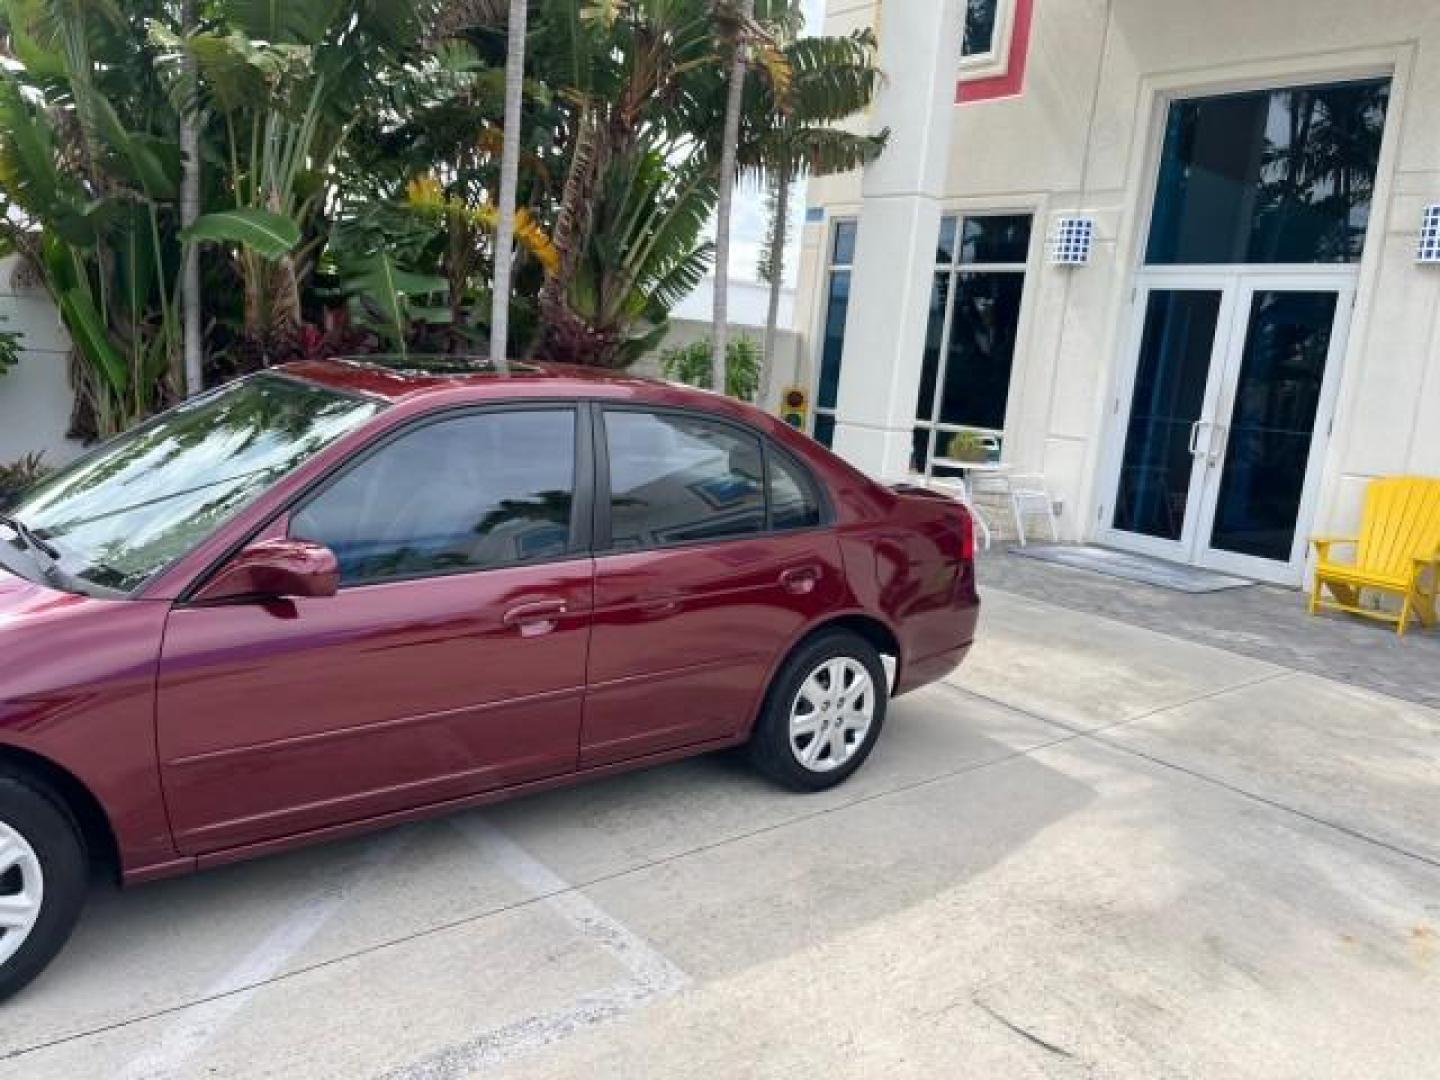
<point x="1027" y="496"/>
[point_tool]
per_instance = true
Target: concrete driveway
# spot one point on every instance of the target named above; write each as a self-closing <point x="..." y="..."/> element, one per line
<point x="1099" y="852"/>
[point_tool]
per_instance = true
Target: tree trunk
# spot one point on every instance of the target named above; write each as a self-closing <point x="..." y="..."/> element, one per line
<point x="570" y="219"/>
<point x="779" y="236"/>
<point x="191" y="313"/>
<point x="509" y="179"/>
<point x="720" y="335"/>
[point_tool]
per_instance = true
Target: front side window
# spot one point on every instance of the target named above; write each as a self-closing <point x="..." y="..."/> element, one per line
<point x="1273" y="176"/>
<point x="147" y="498"/>
<point x="474" y="492"/>
<point x="678" y="479"/>
<point x="973" y="332"/>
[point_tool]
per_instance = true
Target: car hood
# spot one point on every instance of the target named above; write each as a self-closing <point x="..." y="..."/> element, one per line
<point x="21" y="599"/>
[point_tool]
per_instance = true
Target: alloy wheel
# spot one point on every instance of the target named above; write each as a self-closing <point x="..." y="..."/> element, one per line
<point x="832" y="714"/>
<point x="22" y="891"/>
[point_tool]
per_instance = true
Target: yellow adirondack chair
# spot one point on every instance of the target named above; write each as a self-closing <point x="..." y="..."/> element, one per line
<point x="1397" y="552"/>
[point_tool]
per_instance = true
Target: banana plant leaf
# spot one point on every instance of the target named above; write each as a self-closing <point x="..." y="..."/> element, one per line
<point x="268" y="234"/>
<point x="87" y="331"/>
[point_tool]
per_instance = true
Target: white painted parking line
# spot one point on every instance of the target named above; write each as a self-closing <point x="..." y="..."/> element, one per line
<point x="172" y="1054"/>
<point x="652" y="975"/>
<point x="649" y="967"/>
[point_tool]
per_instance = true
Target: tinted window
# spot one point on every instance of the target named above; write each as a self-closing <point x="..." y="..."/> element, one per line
<point x="825" y="431"/>
<point x="794" y="503"/>
<point x="983" y="332"/>
<point x="980" y="19"/>
<point x="1278" y="176"/>
<point x="844" y="251"/>
<point x="996" y="239"/>
<point x="478" y="491"/>
<point x="677" y="479"/>
<point x="837" y="310"/>
<point x="148" y="497"/>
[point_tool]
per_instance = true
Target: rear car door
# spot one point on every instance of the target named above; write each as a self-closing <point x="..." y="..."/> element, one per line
<point x="452" y="660"/>
<point x="712" y="556"/>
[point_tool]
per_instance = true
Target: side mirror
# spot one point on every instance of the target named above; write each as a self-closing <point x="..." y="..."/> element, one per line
<point x="275" y="570"/>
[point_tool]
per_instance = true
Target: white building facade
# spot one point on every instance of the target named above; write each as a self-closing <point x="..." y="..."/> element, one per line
<point x="1239" y="330"/>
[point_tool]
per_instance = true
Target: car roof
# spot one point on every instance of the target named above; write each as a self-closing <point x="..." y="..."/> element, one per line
<point x="397" y="379"/>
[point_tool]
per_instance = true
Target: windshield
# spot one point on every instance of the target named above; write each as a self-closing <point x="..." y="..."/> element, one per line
<point x="143" y="500"/>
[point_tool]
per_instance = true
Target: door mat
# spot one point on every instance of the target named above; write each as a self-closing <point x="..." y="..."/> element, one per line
<point x="1128" y="567"/>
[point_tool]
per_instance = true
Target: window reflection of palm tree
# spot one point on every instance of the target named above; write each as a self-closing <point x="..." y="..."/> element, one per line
<point x="1322" y="175"/>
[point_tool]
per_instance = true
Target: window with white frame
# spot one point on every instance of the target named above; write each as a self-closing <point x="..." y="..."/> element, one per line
<point x="985" y="44"/>
<point x="839" y="264"/>
<point x="975" y="305"/>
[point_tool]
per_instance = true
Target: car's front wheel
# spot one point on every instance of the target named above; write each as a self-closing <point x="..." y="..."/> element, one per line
<point x="823" y="713"/>
<point x="42" y="879"/>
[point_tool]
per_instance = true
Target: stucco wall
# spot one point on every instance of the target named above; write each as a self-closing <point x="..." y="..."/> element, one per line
<point x="1084" y="136"/>
<point x="35" y="396"/>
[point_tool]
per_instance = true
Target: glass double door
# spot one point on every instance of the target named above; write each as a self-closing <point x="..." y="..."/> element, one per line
<point x="1230" y="398"/>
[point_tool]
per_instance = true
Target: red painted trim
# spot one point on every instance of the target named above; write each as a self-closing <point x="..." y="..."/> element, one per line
<point x="1012" y="82"/>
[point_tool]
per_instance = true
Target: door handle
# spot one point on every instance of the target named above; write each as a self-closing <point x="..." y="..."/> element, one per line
<point x="535" y="618"/>
<point x="801" y="581"/>
<point x="661" y="604"/>
<point x="1195" y="436"/>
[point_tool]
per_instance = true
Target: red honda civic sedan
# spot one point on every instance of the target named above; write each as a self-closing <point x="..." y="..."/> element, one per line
<point x="334" y="596"/>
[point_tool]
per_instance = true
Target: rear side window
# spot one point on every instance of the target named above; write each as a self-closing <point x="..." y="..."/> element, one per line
<point x="478" y="491"/>
<point x="794" y="503"/>
<point x="680" y="479"/>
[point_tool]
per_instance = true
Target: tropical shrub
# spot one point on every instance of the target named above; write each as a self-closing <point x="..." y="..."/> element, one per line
<point x="10" y="344"/>
<point x="691" y="364"/>
<point x="349" y="159"/>
<point x="18" y="477"/>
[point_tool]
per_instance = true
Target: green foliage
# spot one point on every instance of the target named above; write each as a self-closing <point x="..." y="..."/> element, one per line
<point x="269" y="235"/>
<point x="350" y="152"/>
<point x="18" y="477"/>
<point x="88" y="175"/>
<point x="968" y="446"/>
<point x="692" y="365"/>
<point x="10" y="345"/>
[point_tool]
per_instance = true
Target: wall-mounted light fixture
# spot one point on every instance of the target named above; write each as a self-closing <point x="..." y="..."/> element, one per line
<point x="1072" y="242"/>
<point x="1428" y="252"/>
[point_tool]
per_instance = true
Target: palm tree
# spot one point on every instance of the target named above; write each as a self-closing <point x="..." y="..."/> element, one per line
<point x="833" y="78"/>
<point x="509" y="179"/>
<point x="720" y="334"/>
<point x="629" y="78"/>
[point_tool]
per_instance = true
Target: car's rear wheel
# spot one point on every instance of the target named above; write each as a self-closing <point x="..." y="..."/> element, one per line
<point x="42" y="879"/>
<point x="823" y="713"/>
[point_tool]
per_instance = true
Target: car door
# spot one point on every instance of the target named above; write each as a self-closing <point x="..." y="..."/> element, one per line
<point x="706" y="574"/>
<point x="451" y="661"/>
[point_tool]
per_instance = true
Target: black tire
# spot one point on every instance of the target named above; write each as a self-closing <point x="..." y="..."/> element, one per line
<point x="771" y="748"/>
<point x="42" y="820"/>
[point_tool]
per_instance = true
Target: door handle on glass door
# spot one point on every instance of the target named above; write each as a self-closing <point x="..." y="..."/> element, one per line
<point x="1195" y="436"/>
<point x="536" y="618"/>
<point x="801" y="581"/>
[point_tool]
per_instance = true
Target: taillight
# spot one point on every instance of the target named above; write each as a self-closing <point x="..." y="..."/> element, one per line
<point x="967" y="535"/>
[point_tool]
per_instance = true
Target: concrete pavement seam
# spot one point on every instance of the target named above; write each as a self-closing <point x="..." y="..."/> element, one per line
<point x="1097" y="735"/>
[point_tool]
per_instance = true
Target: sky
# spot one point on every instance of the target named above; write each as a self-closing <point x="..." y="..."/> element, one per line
<point x="747" y="235"/>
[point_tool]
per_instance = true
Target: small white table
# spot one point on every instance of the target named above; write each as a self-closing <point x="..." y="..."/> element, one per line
<point x="961" y="484"/>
